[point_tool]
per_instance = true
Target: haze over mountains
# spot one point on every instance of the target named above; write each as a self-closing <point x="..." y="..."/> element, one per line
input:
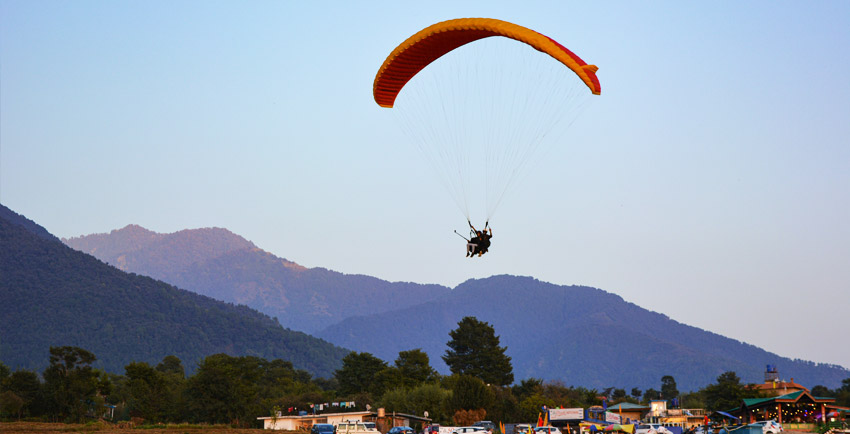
<point x="52" y="295"/>
<point x="579" y="335"/>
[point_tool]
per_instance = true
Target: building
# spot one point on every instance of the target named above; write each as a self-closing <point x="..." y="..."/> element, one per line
<point x="306" y="421"/>
<point x="774" y="386"/>
<point x="629" y="413"/>
<point x="681" y="417"/>
<point x="799" y="407"/>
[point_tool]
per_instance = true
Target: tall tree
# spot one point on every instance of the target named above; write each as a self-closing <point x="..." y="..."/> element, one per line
<point x="358" y="373"/>
<point x="415" y="367"/>
<point x="224" y="388"/>
<point x="474" y="350"/>
<point x="636" y="393"/>
<point x="155" y="394"/>
<point x="727" y="393"/>
<point x="649" y="395"/>
<point x="668" y="387"/>
<point x="70" y="382"/>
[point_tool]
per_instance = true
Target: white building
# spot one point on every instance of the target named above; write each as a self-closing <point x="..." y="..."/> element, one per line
<point x="294" y="423"/>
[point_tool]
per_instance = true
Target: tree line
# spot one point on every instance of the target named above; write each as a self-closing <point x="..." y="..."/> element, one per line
<point x="235" y="390"/>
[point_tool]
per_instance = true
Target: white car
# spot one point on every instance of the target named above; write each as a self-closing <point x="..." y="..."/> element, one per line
<point x="651" y="428"/>
<point x="468" y="429"/>
<point x="546" y="430"/>
<point x="769" y="426"/>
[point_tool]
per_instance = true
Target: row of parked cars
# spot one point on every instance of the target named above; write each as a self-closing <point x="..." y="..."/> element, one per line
<point x="487" y="427"/>
<point x="766" y="426"/>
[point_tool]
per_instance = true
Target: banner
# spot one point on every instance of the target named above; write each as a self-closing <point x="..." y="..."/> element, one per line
<point x="566" y="413"/>
<point x="612" y="417"/>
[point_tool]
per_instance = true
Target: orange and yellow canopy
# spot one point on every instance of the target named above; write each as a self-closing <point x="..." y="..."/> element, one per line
<point x="429" y="44"/>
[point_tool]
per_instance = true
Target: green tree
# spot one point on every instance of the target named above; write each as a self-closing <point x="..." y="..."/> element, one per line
<point x="650" y="394"/>
<point x="4" y="372"/>
<point x="727" y="393"/>
<point x="692" y="400"/>
<point x="385" y="380"/>
<point x="395" y="401"/>
<point x="636" y="393"/>
<point x="468" y="393"/>
<point x="432" y="398"/>
<point x="171" y="365"/>
<point x="223" y="389"/>
<point x="474" y="350"/>
<point x="11" y="404"/>
<point x="70" y="383"/>
<point x="358" y="373"/>
<point x="415" y="368"/>
<point x="153" y="393"/>
<point x="842" y="394"/>
<point x="668" y="387"/>
<point x="527" y="387"/>
<point x="26" y="385"/>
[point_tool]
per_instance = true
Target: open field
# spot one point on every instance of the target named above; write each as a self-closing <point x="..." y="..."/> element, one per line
<point x="103" y="427"/>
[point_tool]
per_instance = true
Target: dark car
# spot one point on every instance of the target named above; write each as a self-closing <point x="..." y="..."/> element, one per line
<point x="400" y="430"/>
<point x="323" y="428"/>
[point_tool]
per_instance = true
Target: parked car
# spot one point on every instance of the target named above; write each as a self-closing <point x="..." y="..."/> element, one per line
<point x="522" y="428"/>
<point x="434" y="428"/>
<point x="651" y="428"/>
<point x="353" y="427"/>
<point x="547" y="430"/>
<point x="469" y="429"/>
<point x="322" y="428"/>
<point x="487" y="425"/>
<point x="400" y="430"/>
<point x="768" y="426"/>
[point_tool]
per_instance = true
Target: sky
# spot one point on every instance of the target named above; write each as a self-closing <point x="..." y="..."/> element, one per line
<point x="710" y="181"/>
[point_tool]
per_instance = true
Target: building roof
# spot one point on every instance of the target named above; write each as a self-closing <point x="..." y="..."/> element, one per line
<point x="625" y="406"/>
<point x="779" y="385"/>
<point x="789" y="397"/>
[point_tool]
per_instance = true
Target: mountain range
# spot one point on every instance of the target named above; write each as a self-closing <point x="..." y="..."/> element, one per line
<point x="217" y="263"/>
<point x="574" y="334"/>
<point x="52" y="295"/>
<point x="577" y="335"/>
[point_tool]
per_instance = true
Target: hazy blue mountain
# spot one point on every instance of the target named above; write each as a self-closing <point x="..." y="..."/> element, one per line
<point x="52" y="295"/>
<point x="225" y="266"/>
<point x="579" y="335"/>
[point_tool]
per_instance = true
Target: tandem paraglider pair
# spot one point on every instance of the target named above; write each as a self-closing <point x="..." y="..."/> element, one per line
<point x="479" y="241"/>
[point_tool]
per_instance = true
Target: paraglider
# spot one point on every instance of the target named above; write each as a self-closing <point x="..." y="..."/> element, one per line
<point x="429" y="44"/>
<point x="457" y="126"/>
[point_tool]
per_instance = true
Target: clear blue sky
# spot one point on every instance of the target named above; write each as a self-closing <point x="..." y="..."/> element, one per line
<point x="710" y="181"/>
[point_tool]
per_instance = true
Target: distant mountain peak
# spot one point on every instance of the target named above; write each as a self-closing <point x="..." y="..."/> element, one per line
<point x="220" y="264"/>
<point x="133" y="229"/>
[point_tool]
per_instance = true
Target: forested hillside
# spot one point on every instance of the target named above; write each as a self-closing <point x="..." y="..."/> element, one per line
<point x="579" y="335"/>
<point x="52" y="295"/>
<point x="217" y="263"/>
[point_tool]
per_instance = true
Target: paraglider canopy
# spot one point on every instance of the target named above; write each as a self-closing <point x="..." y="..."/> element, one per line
<point x="429" y="44"/>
